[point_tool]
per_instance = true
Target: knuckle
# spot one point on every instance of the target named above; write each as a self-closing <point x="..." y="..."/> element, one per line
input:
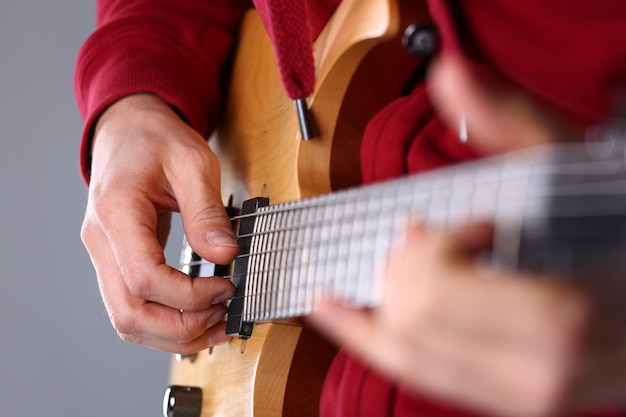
<point x="87" y="233"/>
<point x="206" y="212"/>
<point x="126" y="326"/>
<point x="139" y="283"/>
<point x="186" y="329"/>
<point x="99" y="208"/>
<point x="194" y="156"/>
<point x="185" y="337"/>
<point x="193" y="304"/>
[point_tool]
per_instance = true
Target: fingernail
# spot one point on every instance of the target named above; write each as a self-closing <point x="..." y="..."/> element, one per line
<point x="221" y="238"/>
<point x="227" y="295"/>
<point x="218" y="337"/>
<point x="217" y="316"/>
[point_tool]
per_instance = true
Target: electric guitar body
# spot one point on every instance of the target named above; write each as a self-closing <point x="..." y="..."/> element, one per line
<point x="360" y="66"/>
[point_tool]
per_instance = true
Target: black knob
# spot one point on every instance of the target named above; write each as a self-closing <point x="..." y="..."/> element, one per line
<point x="421" y="39"/>
<point x="182" y="401"/>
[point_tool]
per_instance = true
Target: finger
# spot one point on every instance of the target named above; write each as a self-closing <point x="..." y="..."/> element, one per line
<point x="488" y="323"/>
<point x="354" y="330"/>
<point x="177" y="334"/>
<point x="499" y="117"/>
<point x="445" y="364"/>
<point x="139" y="321"/>
<point x="140" y="258"/>
<point x="205" y="221"/>
<point x="467" y="295"/>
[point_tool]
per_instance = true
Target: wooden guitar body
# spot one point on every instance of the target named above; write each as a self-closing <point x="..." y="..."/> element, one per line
<point x="360" y="66"/>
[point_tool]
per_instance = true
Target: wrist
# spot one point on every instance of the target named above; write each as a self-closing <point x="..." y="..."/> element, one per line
<point x="133" y="104"/>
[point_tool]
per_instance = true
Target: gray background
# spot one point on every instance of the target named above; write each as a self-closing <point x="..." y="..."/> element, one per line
<point x="59" y="355"/>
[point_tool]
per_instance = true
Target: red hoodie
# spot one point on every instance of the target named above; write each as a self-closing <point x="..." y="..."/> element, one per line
<point x="570" y="54"/>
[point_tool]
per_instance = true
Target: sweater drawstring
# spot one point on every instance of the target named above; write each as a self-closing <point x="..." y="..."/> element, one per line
<point x="286" y="22"/>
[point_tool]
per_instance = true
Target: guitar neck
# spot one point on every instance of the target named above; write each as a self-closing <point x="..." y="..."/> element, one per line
<point x="294" y="254"/>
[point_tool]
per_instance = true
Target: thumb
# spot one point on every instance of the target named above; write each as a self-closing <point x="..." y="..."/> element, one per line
<point x="205" y="221"/>
<point x="499" y="117"/>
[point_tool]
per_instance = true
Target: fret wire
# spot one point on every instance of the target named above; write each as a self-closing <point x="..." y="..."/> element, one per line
<point x="507" y="232"/>
<point x="284" y="252"/>
<point x="307" y="257"/>
<point x="323" y="276"/>
<point x="250" y="281"/>
<point x="291" y="237"/>
<point x="385" y="230"/>
<point x="254" y="270"/>
<point x="294" y="245"/>
<point x="353" y="263"/>
<point x="305" y="290"/>
<point x="368" y="256"/>
<point x="312" y="268"/>
<point x="266" y="302"/>
<point x="296" y="279"/>
<point x="291" y="240"/>
<point x="262" y="301"/>
<point x="253" y="282"/>
<point x="344" y="243"/>
<point x="279" y="277"/>
<point x="366" y="247"/>
<point x="340" y="237"/>
<point x="334" y="233"/>
<point x="269" y="279"/>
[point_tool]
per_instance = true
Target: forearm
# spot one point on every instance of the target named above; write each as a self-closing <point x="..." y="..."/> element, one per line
<point x="172" y="49"/>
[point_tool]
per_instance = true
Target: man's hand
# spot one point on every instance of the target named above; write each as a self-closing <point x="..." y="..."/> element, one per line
<point x="495" y="341"/>
<point x="147" y="163"/>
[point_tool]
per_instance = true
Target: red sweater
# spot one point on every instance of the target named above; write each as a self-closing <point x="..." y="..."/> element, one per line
<point x="571" y="54"/>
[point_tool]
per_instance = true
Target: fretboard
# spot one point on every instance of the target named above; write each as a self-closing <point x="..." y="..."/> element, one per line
<point x="336" y="245"/>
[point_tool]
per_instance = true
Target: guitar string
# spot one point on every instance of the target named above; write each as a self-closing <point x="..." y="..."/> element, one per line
<point x="286" y="249"/>
<point x="297" y="206"/>
<point x="555" y="211"/>
<point x="322" y="223"/>
<point x="368" y="192"/>
<point x="294" y="266"/>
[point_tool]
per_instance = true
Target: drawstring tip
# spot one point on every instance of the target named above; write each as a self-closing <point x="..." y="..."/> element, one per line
<point x="462" y="127"/>
<point x="304" y="118"/>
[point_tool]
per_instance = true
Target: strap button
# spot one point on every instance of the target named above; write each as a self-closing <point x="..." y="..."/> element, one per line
<point x="421" y="39"/>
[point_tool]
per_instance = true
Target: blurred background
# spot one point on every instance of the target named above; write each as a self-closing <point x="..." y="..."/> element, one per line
<point x="59" y="355"/>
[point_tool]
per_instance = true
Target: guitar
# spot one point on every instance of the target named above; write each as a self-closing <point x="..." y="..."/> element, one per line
<point x="279" y="369"/>
<point x="559" y="208"/>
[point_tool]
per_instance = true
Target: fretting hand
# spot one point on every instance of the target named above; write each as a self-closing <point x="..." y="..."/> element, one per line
<point x="504" y="343"/>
